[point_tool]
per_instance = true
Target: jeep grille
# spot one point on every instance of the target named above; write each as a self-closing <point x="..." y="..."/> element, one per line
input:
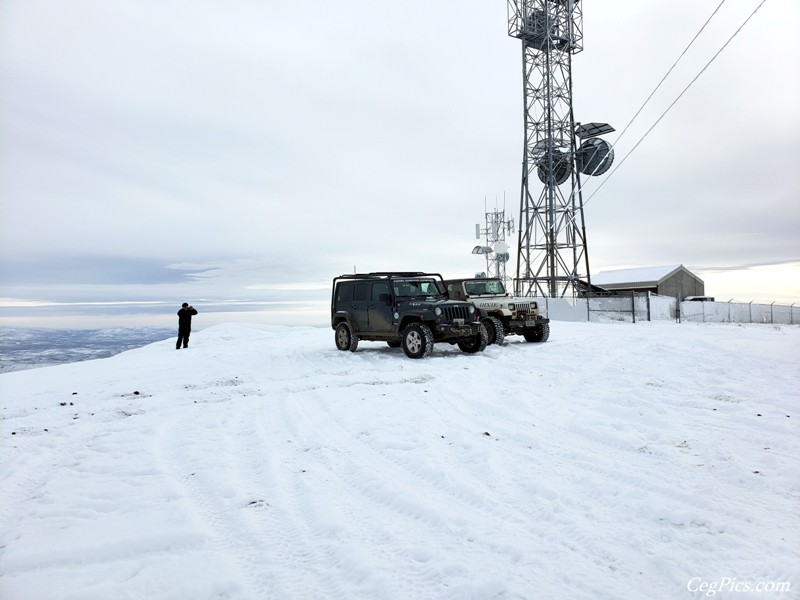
<point x="456" y="312"/>
<point x="523" y="308"/>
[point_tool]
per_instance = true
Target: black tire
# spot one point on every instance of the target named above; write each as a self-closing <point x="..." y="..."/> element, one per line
<point x="538" y="334"/>
<point x="394" y="344"/>
<point x="345" y="338"/>
<point x="495" y="330"/>
<point x="476" y="344"/>
<point x="417" y="340"/>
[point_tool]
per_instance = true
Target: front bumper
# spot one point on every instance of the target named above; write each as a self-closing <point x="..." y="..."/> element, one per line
<point x="455" y="330"/>
<point x="527" y="321"/>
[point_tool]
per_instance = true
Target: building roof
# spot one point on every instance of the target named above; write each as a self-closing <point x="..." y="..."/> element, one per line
<point x="640" y="277"/>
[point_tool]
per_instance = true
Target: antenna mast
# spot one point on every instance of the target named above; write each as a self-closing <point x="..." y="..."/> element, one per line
<point x="496" y="248"/>
<point x="552" y="251"/>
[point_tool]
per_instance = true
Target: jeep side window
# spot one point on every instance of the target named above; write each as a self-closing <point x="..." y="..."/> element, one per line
<point x="380" y="292"/>
<point x="362" y="291"/>
<point x="402" y="288"/>
<point x="455" y="292"/>
<point x="344" y="292"/>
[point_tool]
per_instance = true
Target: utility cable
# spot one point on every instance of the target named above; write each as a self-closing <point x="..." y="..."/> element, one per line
<point x="663" y="79"/>
<point x="713" y="58"/>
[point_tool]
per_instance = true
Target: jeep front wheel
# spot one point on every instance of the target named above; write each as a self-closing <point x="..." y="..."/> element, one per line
<point x="538" y="334"/>
<point x="495" y="330"/>
<point x="345" y="338"/>
<point x="417" y="340"/>
<point x="477" y="343"/>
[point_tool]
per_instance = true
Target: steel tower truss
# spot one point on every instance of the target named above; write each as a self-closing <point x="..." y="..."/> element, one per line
<point x="552" y="242"/>
<point x="496" y="248"/>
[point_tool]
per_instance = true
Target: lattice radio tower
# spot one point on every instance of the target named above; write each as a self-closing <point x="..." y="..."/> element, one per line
<point x="495" y="249"/>
<point x="552" y="251"/>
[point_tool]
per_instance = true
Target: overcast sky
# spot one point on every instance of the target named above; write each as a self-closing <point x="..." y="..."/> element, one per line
<point x="174" y="149"/>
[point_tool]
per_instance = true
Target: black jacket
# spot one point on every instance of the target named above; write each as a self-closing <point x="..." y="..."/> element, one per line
<point x="185" y="318"/>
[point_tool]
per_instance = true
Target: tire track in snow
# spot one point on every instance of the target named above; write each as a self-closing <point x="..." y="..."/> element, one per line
<point x="246" y="498"/>
<point x="609" y="472"/>
<point x="344" y="520"/>
<point x="31" y="482"/>
<point x="273" y="514"/>
<point x="324" y="508"/>
<point x="510" y="504"/>
<point x="197" y="451"/>
<point x="357" y="486"/>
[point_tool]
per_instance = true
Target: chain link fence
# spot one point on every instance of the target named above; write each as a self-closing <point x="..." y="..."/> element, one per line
<point x="645" y="306"/>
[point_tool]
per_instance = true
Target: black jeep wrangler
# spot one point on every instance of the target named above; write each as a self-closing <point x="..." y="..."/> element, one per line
<point x="403" y="309"/>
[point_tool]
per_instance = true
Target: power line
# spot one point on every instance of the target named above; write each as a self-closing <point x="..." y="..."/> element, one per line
<point x="685" y="50"/>
<point x="713" y="58"/>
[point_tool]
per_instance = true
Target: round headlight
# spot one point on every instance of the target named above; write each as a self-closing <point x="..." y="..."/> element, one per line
<point x="471" y="309"/>
<point x="437" y="311"/>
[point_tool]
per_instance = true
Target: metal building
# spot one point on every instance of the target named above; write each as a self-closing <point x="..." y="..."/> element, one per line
<point x="672" y="280"/>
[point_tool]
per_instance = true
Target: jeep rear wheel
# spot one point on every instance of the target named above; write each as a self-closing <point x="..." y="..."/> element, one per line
<point x="417" y="340"/>
<point x="477" y="343"/>
<point x="495" y="330"/>
<point x="345" y="338"/>
<point x="538" y="334"/>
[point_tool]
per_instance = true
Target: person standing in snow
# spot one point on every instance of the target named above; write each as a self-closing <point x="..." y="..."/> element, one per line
<point x="185" y="315"/>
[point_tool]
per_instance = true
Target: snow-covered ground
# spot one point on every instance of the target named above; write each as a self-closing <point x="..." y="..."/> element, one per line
<point x="615" y="461"/>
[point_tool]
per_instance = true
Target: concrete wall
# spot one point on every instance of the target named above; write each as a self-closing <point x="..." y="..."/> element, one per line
<point x="640" y="307"/>
<point x="734" y="312"/>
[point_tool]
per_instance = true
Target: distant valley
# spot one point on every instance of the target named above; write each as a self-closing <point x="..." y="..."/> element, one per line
<point x="29" y="348"/>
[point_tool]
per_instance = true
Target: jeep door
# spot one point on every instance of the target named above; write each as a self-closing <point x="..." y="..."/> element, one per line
<point x="360" y="304"/>
<point x="380" y="307"/>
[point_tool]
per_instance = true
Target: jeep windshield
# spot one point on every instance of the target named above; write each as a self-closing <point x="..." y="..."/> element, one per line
<point x="480" y="287"/>
<point x="416" y="288"/>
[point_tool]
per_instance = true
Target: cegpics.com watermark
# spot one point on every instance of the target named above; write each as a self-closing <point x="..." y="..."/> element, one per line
<point x="731" y="584"/>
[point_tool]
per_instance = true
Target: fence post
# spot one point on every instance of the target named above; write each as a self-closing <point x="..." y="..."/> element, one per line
<point x="648" y="306"/>
<point x="751" y="310"/>
<point x="633" y="305"/>
<point x="771" y="317"/>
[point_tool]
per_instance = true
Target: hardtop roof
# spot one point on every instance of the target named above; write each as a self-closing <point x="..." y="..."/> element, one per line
<point x="377" y="275"/>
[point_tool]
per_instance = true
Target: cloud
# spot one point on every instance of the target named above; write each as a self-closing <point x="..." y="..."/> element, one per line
<point x="288" y="142"/>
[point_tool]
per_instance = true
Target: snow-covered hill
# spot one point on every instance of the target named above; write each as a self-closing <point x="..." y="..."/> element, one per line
<point x="616" y="461"/>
